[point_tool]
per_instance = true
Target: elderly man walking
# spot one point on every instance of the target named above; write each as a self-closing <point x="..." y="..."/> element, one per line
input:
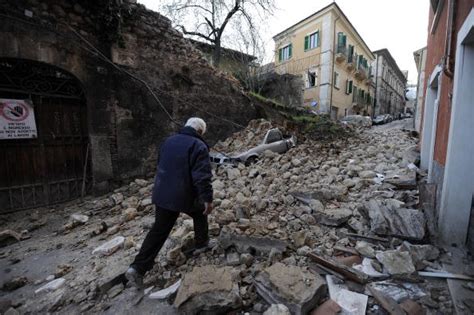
<point x="182" y="184"/>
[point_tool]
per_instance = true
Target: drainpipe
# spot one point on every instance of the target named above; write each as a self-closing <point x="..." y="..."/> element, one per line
<point x="448" y="71"/>
<point x="376" y="84"/>
<point x="333" y="63"/>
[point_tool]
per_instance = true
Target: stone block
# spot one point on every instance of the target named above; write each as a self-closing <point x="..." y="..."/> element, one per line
<point x="109" y="247"/>
<point x="295" y="287"/>
<point x="51" y="286"/>
<point x="208" y="289"/>
<point x="396" y="262"/>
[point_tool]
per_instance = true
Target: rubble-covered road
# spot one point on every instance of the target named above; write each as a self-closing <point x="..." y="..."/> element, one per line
<point x="353" y="203"/>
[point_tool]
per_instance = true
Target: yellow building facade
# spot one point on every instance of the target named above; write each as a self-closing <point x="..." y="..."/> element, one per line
<point x="333" y="61"/>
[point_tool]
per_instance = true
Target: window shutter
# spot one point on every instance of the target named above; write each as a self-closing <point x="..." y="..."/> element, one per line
<point x="340" y="37"/>
<point x="351" y="50"/>
<point x="344" y="40"/>
<point x="280" y="54"/>
<point x="347" y="86"/>
<point x="350" y="86"/>
<point x="306" y="42"/>
<point x="289" y="51"/>
<point x="317" y="38"/>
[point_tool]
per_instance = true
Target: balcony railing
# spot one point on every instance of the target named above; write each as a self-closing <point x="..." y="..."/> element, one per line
<point x="341" y="53"/>
<point x="359" y="100"/>
<point x="351" y="62"/>
<point x="361" y="72"/>
<point x="341" y="50"/>
<point x="351" y="58"/>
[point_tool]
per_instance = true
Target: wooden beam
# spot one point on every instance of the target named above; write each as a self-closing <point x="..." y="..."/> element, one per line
<point x="347" y="272"/>
<point x="373" y="238"/>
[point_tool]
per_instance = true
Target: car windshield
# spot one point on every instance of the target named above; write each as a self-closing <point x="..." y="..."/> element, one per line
<point x="273" y="135"/>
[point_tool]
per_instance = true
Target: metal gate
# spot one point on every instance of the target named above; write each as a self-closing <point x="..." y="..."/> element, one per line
<point x="50" y="168"/>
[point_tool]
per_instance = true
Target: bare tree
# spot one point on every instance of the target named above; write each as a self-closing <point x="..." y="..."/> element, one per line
<point x="249" y="46"/>
<point x="209" y="19"/>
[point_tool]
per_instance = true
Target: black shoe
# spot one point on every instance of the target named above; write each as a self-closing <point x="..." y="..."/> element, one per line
<point x="134" y="278"/>
<point x="199" y="249"/>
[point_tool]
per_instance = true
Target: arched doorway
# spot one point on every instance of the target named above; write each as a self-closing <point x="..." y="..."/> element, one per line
<point x="49" y="167"/>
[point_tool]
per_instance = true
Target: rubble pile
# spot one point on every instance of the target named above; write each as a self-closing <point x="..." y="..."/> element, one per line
<point x="242" y="141"/>
<point x="324" y="226"/>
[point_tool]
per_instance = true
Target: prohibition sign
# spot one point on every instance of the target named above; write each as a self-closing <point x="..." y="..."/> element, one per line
<point x="14" y="111"/>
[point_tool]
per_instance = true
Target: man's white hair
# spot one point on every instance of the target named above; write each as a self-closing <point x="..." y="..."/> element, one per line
<point x="197" y="123"/>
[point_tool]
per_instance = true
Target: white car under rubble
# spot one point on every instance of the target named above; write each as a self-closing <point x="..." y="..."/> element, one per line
<point x="274" y="141"/>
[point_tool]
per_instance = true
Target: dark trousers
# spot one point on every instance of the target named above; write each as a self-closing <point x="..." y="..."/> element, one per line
<point x="156" y="237"/>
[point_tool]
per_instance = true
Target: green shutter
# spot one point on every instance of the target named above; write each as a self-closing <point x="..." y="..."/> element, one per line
<point x="280" y="54"/>
<point x="340" y="39"/>
<point x="317" y="38"/>
<point x="350" y="86"/>
<point x="289" y="51"/>
<point x="306" y="42"/>
<point x="344" y="40"/>
<point x="350" y="54"/>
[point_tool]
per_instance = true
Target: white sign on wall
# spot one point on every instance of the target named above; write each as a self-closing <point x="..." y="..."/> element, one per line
<point x="17" y="119"/>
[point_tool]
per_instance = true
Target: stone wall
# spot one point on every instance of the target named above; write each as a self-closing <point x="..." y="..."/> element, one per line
<point x="286" y="89"/>
<point x="125" y="121"/>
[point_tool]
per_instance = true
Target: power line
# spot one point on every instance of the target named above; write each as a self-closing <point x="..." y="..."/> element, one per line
<point x="96" y="52"/>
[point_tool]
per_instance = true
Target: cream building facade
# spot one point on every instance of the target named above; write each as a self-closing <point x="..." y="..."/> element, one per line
<point x="390" y="84"/>
<point x="420" y="61"/>
<point x="333" y="61"/>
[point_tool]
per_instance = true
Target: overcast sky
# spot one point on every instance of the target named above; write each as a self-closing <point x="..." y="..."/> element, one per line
<point x="401" y="26"/>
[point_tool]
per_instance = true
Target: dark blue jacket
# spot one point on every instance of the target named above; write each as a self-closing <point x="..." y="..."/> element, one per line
<point x="183" y="178"/>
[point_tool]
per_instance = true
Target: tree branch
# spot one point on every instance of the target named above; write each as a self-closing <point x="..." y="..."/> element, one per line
<point x="229" y="16"/>
<point x="212" y="26"/>
<point x="187" y="6"/>
<point x="196" y="34"/>
<point x="248" y="18"/>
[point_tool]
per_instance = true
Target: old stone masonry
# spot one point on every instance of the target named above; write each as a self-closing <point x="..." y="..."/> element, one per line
<point x="325" y="227"/>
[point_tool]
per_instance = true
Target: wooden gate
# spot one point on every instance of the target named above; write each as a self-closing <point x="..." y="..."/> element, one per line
<point x="50" y="168"/>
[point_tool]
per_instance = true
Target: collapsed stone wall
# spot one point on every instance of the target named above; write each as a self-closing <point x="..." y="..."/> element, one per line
<point x="125" y="122"/>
